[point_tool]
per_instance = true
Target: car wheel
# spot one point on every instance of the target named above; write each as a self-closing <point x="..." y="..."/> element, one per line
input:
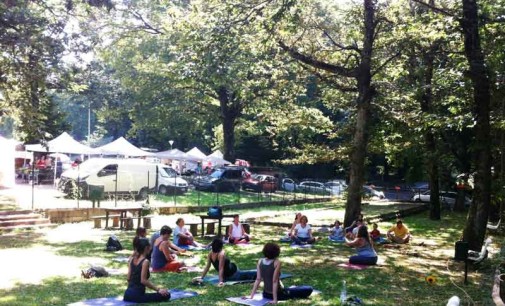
<point x="162" y="189"/>
<point x="417" y="200"/>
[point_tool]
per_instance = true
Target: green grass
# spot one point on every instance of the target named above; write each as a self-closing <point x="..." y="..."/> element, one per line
<point x="202" y="198"/>
<point x="400" y="281"/>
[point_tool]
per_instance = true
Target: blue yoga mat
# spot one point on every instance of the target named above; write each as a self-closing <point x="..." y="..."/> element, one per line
<point x="215" y="279"/>
<point x="175" y="294"/>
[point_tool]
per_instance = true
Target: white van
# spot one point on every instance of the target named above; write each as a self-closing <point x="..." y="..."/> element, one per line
<point x="135" y="177"/>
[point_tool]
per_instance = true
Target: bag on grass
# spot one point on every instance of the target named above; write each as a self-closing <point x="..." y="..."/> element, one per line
<point x="113" y="244"/>
<point x="94" y="271"/>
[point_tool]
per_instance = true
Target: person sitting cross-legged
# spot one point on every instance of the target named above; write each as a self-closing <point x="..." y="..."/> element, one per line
<point x="183" y="237"/>
<point x="364" y="247"/>
<point x="236" y="232"/>
<point x="399" y="233"/>
<point x="164" y="253"/>
<point x="303" y="233"/>
<point x="138" y="277"/>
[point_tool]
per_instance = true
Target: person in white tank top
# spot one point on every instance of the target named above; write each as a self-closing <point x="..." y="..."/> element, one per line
<point x="236" y="232"/>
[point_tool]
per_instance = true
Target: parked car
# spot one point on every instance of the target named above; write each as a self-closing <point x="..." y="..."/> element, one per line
<point x="336" y="187"/>
<point x="260" y="183"/>
<point x="313" y="187"/>
<point x="288" y="184"/>
<point x="448" y="198"/>
<point x="171" y="183"/>
<point x="221" y="179"/>
<point x="370" y="192"/>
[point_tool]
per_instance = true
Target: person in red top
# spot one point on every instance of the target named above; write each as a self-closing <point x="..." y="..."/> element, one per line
<point x="41" y="163"/>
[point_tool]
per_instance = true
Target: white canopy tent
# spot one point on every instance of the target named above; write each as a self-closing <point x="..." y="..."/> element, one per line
<point x="196" y="155"/>
<point x="62" y="144"/>
<point x="174" y="154"/>
<point x="217" y="154"/>
<point x="216" y="161"/>
<point x="121" y="146"/>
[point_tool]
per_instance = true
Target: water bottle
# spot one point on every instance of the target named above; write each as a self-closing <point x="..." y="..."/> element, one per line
<point x="343" y="293"/>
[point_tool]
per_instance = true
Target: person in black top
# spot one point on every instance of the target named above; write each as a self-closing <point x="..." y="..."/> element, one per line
<point x="138" y="277"/>
<point x="269" y="270"/>
<point x="228" y="271"/>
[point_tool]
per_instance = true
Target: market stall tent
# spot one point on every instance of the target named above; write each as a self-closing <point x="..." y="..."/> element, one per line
<point x="121" y="146"/>
<point x="61" y="144"/>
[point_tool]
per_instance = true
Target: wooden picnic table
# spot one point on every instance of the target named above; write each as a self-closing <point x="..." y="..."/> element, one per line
<point x="122" y="213"/>
<point x="204" y="217"/>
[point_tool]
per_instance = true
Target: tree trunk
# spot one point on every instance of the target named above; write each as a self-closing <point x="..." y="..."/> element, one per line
<point x="361" y="135"/>
<point x="230" y="110"/>
<point x="429" y="137"/>
<point x="475" y="228"/>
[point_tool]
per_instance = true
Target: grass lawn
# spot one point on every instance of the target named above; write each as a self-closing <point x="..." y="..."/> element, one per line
<point x="399" y="280"/>
<point x="203" y="198"/>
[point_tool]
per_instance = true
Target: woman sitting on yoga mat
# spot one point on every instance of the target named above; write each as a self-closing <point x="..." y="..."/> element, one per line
<point x="269" y="270"/>
<point x="303" y="232"/>
<point x="236" y="232"/>
<point x="362" y="243"/>
<point x="138" y="277"/>
<point x="183" y="237"/>
<point x="164" y="253"/>
<point x="228" y="271"/>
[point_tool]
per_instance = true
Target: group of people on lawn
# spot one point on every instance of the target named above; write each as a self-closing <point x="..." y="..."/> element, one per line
<point x="162" y="253"/>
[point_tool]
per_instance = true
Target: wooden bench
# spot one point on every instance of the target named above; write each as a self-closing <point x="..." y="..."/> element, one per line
<point x="98" y="220"/>
<point x="127" y="223"/>
<point x="210" y="230"/>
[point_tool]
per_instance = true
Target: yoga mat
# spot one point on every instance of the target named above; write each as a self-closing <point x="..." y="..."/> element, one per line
<point x="336" y="240"/>
<point x="285" y="239"/>
<point x="175" y="294"/>
<point x="120" y="259"/>
<point x="192" y="248"/>
<point x="215" y="279"/>
<point x="301" y="246"/>
<point x="257" y="300"/>
<point x="350" y="266"/>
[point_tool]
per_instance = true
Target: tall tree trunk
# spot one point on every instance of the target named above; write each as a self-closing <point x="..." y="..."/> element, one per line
<point x="429" y="137"/>
<point x="230" y="110"/>
<point x="475" y="228"/>
<point x="361" y="133"/>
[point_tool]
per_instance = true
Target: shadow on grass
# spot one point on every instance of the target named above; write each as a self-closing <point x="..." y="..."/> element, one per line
<point x="20" y="239"/>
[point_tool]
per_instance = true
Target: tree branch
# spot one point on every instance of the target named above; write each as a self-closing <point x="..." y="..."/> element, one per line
<point x="436" y="9"/>
<point x="342" y="71"/>
<point x="342" y="47"/>
<point x="146" y="25"/>
<point x="386" y="62"/>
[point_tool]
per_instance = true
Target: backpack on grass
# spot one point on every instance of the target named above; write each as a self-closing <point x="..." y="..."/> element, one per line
<point x="113" y="244"/>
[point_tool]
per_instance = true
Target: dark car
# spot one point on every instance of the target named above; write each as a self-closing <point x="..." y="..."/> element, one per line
<point x="221" y="179"/>
<point x="260" y="183"/>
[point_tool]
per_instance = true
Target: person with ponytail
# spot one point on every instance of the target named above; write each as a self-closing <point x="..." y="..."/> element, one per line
<point x="138" y="277"/>
<point x="364" y="247"/>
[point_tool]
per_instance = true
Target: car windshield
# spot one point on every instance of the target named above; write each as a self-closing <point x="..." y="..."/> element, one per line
<point x="167" y="172"/>
<point x="217" y="173"/>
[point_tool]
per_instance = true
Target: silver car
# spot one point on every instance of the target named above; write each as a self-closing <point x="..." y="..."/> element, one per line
<point x="447" y="198"/>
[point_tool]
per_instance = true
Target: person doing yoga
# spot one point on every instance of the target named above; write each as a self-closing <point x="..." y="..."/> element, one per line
<point x="228" y="271"/>
<point x="362" y="243"/>
<point x="303" y="233"/>
<point x="269" y="271"/>
<point x="138" y="277"/>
